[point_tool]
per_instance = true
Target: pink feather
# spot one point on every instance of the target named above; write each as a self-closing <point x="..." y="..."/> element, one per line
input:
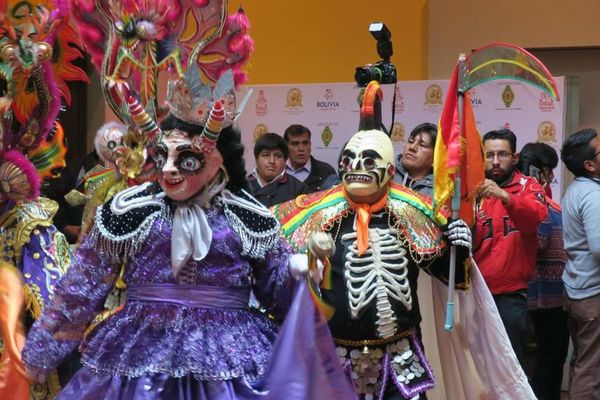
<point x="239" y="19"/>
<point x="239" y="77"/>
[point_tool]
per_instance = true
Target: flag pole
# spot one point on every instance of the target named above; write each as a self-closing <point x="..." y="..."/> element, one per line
<point x="449" y="324"/>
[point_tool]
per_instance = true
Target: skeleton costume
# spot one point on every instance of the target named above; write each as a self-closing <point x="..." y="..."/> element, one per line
<point x="380" y="246"/>
<point x="33" y="254"/>
<point x="376" y="318"/>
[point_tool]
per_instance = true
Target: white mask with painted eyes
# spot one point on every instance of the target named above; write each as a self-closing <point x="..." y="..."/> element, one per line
<point x="183" y="170"/>
<point x="367" y="163"/>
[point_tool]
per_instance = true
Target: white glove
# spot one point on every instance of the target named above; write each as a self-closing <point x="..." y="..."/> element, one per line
<point x="299" y="268"/>
<point x="459" y="234"/>
<point x="298" y="265"/>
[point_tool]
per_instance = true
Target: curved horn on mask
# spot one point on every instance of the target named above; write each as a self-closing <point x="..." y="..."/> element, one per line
<point x="141" y="119"/>
<point x="212" y="129"/>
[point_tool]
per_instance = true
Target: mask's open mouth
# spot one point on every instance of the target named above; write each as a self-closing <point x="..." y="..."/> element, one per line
<point x="358" y="178"/>
<point x="173" y="181"/>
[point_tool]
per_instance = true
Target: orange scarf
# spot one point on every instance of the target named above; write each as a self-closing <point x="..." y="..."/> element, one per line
<point x="363" y="212"/>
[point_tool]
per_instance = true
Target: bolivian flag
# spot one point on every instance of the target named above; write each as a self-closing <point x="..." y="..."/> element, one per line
<point x="458" y="152"/>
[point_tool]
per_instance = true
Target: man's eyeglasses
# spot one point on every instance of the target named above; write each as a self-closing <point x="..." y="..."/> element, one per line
<point x="595" y="154"/>
<point x="502" y="155"/>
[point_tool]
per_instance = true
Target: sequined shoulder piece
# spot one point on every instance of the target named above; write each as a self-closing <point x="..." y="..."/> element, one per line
<point x="311" y="213"/>
<point x="253" y="222"/>
<point x="24" y="217"/>
<point x="419" y="201"/>
<point x="123" y="224"/>
<point x="412" y="215"/>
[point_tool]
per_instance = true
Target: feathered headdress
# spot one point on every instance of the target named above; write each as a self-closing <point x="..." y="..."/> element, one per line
<point x="35" y="76"/>
<point x="132" y="41"/>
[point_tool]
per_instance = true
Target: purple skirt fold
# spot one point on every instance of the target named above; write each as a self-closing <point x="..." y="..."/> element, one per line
<point x="88" y="385"/>
<point x="304" y="366"/>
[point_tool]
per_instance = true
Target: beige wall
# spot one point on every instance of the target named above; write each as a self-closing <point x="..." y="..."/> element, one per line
<point x="313" y="41"/>
<point x="457" y="26"/>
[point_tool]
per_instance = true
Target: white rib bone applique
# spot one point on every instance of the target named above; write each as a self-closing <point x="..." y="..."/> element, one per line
<point x="381" y="272"/>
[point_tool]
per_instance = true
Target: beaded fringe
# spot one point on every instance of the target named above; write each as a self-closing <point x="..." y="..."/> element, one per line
<point x="254" y="244"/>
<point x="120" y="248"/>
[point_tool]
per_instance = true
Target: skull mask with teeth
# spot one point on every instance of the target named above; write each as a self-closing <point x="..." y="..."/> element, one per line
<point x="367" y="163"/>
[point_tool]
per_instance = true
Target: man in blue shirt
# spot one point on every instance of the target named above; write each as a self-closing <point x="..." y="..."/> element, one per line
<point x="581" y="217"/>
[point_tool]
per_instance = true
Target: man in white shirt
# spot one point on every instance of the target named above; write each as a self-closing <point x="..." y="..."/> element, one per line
<point x="301" y="164"/>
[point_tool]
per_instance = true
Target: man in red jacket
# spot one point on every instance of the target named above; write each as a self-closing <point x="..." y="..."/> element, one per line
<point x="508" y="215"/>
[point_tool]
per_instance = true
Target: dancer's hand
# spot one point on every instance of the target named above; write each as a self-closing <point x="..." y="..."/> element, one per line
<point x="299" y="268"/>
<point x="459" y="234"/>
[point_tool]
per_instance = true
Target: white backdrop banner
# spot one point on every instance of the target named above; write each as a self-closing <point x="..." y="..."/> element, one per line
<point x="330" y="111"/>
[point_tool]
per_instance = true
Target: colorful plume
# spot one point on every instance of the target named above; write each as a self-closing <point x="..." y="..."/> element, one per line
<point x="370" y="110"/>
<point x="230" y="50"/>
<point x="49" y="156"/>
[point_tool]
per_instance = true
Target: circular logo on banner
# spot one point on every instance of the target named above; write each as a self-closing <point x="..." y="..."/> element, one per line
<point x="260" y="130"/>
<point x="326" y="135"/>
<point x="294" y="98"/>
<point x="397" y="132"/>
<point x="508" y="96"/>
<point x="433" y="94"/>
<point x="546" y="132"/>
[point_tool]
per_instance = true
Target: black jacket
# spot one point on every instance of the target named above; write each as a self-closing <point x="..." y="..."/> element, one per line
<point x="285" y="188"/>
<point x="319" y="170"/>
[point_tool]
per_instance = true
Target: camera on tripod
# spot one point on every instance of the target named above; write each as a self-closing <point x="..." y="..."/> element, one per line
<point x="382" y="71"/>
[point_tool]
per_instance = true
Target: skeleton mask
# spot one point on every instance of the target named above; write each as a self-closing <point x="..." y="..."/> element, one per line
<point x="367" y="163"/>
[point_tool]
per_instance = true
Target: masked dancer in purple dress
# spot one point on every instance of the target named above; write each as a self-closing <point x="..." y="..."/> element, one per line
<point x="33" y="253"/>
<point x="194" y="244"/>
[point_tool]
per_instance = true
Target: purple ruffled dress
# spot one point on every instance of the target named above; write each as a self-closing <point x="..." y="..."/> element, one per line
<point x="165" y="344"/>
